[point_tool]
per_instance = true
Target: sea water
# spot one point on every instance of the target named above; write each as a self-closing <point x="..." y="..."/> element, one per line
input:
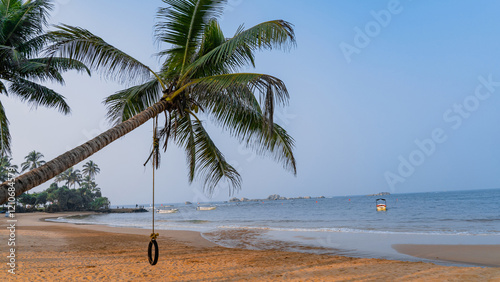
<point x="338" y="225"/>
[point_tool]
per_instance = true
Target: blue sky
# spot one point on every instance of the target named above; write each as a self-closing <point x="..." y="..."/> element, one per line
<point x="355" y="117"/>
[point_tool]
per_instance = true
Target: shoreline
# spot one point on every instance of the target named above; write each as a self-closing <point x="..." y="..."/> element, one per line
<point x="192" y="237"/>
<point x="455" y="254"/>
<point x="50" y="250"/>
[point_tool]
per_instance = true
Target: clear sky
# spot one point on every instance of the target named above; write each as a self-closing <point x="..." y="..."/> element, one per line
<point x="398" y="96"/>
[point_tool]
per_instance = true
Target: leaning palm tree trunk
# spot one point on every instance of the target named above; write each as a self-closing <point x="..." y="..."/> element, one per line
<point x="58" y="165"/>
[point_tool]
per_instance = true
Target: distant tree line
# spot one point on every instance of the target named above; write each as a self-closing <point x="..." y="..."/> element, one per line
<point x="79" y="191"/>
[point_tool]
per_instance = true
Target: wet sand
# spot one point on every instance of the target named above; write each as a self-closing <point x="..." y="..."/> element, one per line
<point x="484" y="255"/>
<point x="66" y="252"/>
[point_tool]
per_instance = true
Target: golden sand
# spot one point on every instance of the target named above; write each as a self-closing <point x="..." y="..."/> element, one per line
<point x="48" y="251"/>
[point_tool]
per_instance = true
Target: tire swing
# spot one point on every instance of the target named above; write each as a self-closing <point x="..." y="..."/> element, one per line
<point x="154" y="156"/>
<point x="152" y="243"/>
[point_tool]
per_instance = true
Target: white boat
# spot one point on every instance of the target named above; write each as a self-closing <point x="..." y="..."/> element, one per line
<point x="167" y="211"/>
<point x="205" y="208"/>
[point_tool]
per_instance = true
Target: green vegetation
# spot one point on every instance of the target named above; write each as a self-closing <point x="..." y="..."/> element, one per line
<point x="22" y="40"/>
<point x="32" y="161"/>
<point x="68" y="197"/>
<point x="62" y="198"/>
<point x="5" y="164"/>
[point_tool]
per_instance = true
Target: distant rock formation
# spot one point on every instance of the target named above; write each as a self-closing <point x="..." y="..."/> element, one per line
<point x="123" y="210"/>
<point x="380" y="194"/>
<point x="274" y="197"/>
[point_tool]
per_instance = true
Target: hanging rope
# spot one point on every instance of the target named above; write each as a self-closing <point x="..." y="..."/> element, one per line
<point x="155" y="154"/>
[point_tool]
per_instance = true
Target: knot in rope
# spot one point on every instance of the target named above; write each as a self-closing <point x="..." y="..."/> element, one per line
<point x="153" y="236"/>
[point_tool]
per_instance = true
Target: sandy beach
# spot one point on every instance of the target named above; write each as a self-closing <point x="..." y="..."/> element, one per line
<point x="66" y="252"/>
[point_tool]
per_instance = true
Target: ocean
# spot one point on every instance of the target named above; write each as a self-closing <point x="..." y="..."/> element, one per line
<point x="347" y="225"/>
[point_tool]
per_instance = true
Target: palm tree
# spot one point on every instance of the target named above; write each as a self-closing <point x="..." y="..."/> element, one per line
<point x="91" y="169"/>
<point x="62" y="177"/>
<point x="198" y="76"/>
<point x="74" y="177"/>
<point x="6" y="168"/>
<point x="22" y="38"/>
<point x="33" y="160"/>
<point x="88" y="183"/>
<point x="70" y="176"/>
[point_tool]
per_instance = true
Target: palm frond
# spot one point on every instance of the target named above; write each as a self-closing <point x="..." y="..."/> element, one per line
<point x="277" y="144"/>
<point x="211" y="165"/>
<point x="10" y="57"/>
<point x="235" y="109"/>
<point x="213" y="38"/>
<point x="238" y="51"/>
<point x="54" y="65"/>
<point x="238" y="111"/>
<point x="64" y="64"/>
<point x="33" y="46"/>
<point x="81" y="45"/>
<point x="3" y="89"/>
<point x="171" y="67"/>
<point x="4" y="132"/>
<point x="255" y="82"/>
<point x="182" y="25"/>
<point x="5" y="52"/>
<point x="34" y="69"/>
<point x="185" y="137"/>
<point x="25" y="20"/>
<point x="270" y="89"/>
<point x="3" y="21"/>
<point x="129" y="102"/>
<point x="48" y="69"/>
<point x="38" y="95"/>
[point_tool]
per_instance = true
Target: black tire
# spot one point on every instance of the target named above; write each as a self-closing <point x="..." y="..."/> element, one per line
<point x="150" y="255"/>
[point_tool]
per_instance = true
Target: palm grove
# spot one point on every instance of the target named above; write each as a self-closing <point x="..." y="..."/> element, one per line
<point x="198" y="80"/>
<point x="67" y="197"/>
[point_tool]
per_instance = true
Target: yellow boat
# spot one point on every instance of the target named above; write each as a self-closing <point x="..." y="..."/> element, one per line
<point x="381" y="204"/>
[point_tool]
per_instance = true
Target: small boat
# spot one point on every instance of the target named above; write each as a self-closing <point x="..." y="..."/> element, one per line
<point x="381" y="204"/>
<point x="167" y="211"/>
<point x="205" y="208"/>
